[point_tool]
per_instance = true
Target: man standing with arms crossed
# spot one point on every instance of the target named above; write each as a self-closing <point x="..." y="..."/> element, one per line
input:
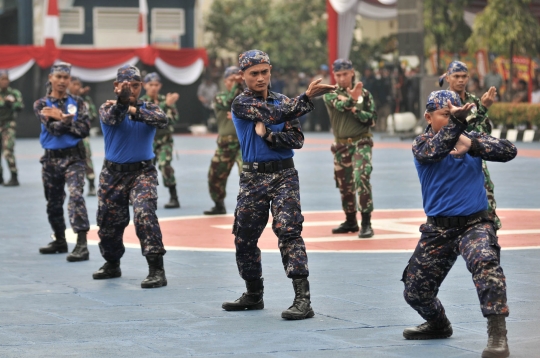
<point x="268" y="129"/>
<point x="10" y="104"/>
<point x="228" y="150"/>
<point x="352" y="114"/>
<point x="163" y="141"/>
<point x="64" y="122"/>
<point x="457" y="76"/>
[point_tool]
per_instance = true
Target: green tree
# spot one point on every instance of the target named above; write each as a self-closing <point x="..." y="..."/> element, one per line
<point x="506" y="26"/>
<point x="292" y="32"/>
<point x="444" y="26"/>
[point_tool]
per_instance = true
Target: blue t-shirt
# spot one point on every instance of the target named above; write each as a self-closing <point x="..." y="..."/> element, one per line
<point x="453" y="186"/>
<point x="128" y="141"/>
<point x="256" y="149"/>
<point x="68" y="140"/>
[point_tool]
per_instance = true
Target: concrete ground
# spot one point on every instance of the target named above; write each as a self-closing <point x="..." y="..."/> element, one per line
<point x="52" y="308"/>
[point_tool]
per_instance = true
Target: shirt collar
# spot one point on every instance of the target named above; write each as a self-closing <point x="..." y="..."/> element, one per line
<point x="250" y="93"/>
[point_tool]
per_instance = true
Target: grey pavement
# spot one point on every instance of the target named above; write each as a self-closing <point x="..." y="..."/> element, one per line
<point x="52" y="308"/>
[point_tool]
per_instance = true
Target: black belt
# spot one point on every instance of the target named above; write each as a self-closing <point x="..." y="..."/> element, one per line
<point x="455" y="221"/>
<point x="63" y="153"/>
<point x="268" y="167"/>
<point x="128" y="167"/>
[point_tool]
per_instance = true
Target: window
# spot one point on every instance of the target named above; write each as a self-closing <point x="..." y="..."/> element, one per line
<point x="116" y="27"/>
<point x="168" y="24"/>
<point x="72" y="20"/>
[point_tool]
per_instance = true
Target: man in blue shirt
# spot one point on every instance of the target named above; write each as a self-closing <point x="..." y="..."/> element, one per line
<point x="64" y="122"/>
<point x="129" y="126"/>
<point x="449" y="165"/>
<point x="268" y="130"/>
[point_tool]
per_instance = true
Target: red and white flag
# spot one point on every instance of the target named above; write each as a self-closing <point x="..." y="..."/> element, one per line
<point x="143" y="15"/>
<point x="51" y="25"/>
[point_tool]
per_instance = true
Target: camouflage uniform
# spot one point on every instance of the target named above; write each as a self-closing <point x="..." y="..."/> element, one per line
<point x="352" y="148"/>
<point x="481" y="123"/>
<point x="228" y="150"/>
<point x="163" y="141"/>
<point x="277" y="191"/>
<point x="8" y="115"/>
<point x="92" y="114"/>
<point x="444" y="239"/>
<point x="58" y="171"/>
<point x="117" y="188"/>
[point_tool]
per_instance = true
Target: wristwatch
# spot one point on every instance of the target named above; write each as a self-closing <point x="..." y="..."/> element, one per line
<point x="268" y="132"/>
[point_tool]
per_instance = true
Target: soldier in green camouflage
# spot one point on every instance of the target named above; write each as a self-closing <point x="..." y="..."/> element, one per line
<point x="10" y="104"/>
<point x="163" y="141"/>
<point x="352" y="113"/>
<point x="457" y="76"/>
<point x="228" y="150"/>
<point x="76" y="88"/>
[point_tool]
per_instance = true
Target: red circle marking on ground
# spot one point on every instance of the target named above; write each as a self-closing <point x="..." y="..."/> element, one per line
<point x="395" y="230"/>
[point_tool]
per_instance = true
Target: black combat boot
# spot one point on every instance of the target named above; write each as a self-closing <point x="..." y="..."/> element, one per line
<point x="219" y="209"/>
<point x="91" y="188"/>
<point x="111" y="269"/>
<point x="497" y="346"/>
<point x="366" y="231"/>
<point x="173" y="202"/>
<point x="252" y="299"/>
<point x="156" y="277"/>
<point x="13" y="181"/>
<point x="58" y="245"/>
<point x="80" y="252"/>
<point x="301" y="307"/>
<point x="350" y="225"/>
<point x="435" y="329"/>
<point x="1" y="178"/>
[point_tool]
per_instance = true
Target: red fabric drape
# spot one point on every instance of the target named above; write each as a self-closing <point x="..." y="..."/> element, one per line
<point x="12" y="56"/>
<point x="332" y="37"/>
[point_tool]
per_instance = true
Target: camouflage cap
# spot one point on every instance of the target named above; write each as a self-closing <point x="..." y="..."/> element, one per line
<point x="4" y="73"/>
<point x="152" y="76"/>
<point x="252" y="58"/>
<point x="128" y="73"/>
<point x="439" y="99"/>
<point x="342" y="65"/>
<point x="62" y="67"/>
<point x="75" y="79"/>
<point x="453" y="67"/>
<point x="231" y="70"/>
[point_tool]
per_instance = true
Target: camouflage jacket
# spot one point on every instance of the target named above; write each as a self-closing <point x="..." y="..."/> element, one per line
<point x="170" y="111"/>
<point x="152" y="115"/>
<point x="276" y="109"/>
<point x="222" y="106"/>
<point x="479" y="121"/>
<point x="91" y="107"/>
<point x="350" y="119"/>
<point x="430" y="147"/>
<point x="9" y="109"/>
<point x="79" y="128"/>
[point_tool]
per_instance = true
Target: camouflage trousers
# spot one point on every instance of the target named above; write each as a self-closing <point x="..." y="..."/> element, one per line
<point x="492" y="204"/>
<point x="116" y="190"/>
<point x="259" y="193"/>
<point x="56" y="173"/>
<point x="163" y="149"/>
<point x="352" y="170"/>
<point x="7" y="145"/>
<point x="227" y="153"/>
<point x="89" y="166"/>
<point x="435" y="255"/>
